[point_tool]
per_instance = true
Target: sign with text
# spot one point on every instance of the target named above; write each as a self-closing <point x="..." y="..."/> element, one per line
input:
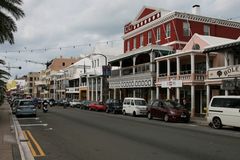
<point x="172" y="84"/>
<point x="229" y="71"/>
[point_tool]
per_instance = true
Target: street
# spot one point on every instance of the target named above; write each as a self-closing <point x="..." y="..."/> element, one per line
<point x="76" y="134"/>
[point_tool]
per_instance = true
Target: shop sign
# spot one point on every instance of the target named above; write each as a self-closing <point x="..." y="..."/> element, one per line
<point x="172" y="84"/>
<point x="231" y="84"/>
<point x="224" y="72"/>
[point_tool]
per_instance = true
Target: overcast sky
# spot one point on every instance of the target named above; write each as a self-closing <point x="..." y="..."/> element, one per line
<point x="59" y="23"/>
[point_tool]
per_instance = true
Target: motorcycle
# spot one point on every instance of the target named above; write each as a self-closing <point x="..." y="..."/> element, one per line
<point x="45" y="109"/>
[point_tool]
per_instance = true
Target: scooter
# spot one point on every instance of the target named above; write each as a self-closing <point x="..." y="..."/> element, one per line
<point x="45" y="109"/>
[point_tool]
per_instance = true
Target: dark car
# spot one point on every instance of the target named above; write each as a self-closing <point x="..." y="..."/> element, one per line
<point x="168" y="110"/>
<point x="85" y="104"/>
<point x="26" y="107"/>
<point x="113" y="106"/>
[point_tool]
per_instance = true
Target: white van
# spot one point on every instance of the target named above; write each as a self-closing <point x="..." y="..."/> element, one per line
<point x="134" y="106"/>
<point x="224" y="110"/>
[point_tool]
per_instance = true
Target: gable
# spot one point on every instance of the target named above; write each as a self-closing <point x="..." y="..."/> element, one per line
<point x="195" y="43"/>
<point x="144" y="12"/>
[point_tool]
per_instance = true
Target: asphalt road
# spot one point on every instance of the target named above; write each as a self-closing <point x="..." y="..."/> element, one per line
<point x="74" y="134"/>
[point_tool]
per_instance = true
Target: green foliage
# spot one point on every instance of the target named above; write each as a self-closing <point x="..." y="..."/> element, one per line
<point x="9" y="10"/>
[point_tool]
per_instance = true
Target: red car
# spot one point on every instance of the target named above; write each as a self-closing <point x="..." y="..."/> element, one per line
<point x="97" y="106"/>
<point x="168" y="111"/>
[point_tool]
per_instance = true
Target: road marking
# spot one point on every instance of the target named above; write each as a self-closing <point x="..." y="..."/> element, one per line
<point x="28" y="118"/>
<point x="30" y="139"/>
<point x="29" y="144"/>
<point x="33" y="125"/>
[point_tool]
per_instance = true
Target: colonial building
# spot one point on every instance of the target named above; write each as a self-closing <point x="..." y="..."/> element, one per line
<point x="224" y="73"/>
<point x="155" y="33"/>
<point x="182" y="75"/>
<point x="30" y="88"/>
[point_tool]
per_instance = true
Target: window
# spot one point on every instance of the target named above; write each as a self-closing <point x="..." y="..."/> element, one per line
<point x="63" y="64"/>
<point x="141" y="40"/>
<point x="149" y="37"/>
<point x="134" y="42"/>
<point x="155" y="104"/>
<point x="158" y="34"/>
<point x="168" y="30"/>
<point x="206" y="30"/>
<point x="226" y="102"/>
<point x="186" y="29"/>
<point x="98" y="62"/>
<point x="92" y="64"/>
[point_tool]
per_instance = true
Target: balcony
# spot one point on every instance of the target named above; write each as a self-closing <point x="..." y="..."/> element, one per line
<point x="185" y="76"/>
<point x="72" y="90"/>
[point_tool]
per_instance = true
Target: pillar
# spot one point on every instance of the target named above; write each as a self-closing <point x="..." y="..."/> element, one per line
<point x="114" y="93"/>
<point x="134" y="63"/>
<point x="178" y="94"/>
<point x="192" y="100"/>
<point x="192" y="64"/>
<point x="157" y="92"/>
<point x="178" y="67"/>
<point x="152" y="94"/>
<point x="168" y="93"/>
<point x="92" y="91"/>
<point x="168" y="67"/>
<point x="208" y="95"/>
<point x="226" y="92"/>
<point x="101" y="90"/>
<point x="88" y="89"/>
<point x="120" y="70"/>
<point x="120" y="94"/>
<point x="96" y="90"/>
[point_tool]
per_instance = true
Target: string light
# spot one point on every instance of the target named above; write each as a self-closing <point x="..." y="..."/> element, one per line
<point x="45" y="49"/>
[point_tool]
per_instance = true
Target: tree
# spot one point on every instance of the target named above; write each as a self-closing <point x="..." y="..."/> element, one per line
<point x="9" y="10"/>
<point x="3" y="77"/>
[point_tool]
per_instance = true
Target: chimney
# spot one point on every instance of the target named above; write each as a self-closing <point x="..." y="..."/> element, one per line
<point x="196" y="9"/>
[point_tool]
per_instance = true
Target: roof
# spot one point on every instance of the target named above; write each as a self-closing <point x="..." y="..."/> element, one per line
<point x="212" y="40"/>
<point x="163" y="49"/>
<point x="232" y="43"/>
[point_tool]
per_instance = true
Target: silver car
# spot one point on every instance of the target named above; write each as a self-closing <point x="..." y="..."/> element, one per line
<point x="26" y="107"/>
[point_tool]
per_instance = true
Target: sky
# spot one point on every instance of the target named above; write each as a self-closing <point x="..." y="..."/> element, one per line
<point x="85" y="24"/>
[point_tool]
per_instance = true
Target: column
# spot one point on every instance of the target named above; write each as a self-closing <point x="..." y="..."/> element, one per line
<point x="226" y="59"/>
<point x="168" y="67"/>
<point x="207" y="62"/>
<point x="192" y="100"/>
<point x="157" y="70"/>
<point x="178" y="94"/>
<point x="114" y="93"/>
<point x="192" y="64"/>
<point x="134" y="93"/>
<point x="120" y="94"/>
<point x="152" y="94"/>
<point x="92" y="91"/>
<point x="208" y="95"/>
<point x="88" y="92"/>
<point x="96" y="91"/>
<point x="168" y="93"/>
<point x="226" y="92"/>
<point x="178" y="67"/>
<point x="101" y="91"/>
<point x="134" y="63"/>
<point x="152" y="65"/>
<point x="120" y="70"/>
<point x="54" y="88"/>
<point x="157" y="92"/>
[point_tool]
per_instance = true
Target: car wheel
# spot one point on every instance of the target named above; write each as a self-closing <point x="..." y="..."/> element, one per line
<point x="149" y="115"/>
<point x="134" y="114"/>
<point x="166" y="118"/>
<point x="216" y="122"/>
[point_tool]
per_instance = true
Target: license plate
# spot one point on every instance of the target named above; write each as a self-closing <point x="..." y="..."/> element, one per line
<point x="183" y="116"/>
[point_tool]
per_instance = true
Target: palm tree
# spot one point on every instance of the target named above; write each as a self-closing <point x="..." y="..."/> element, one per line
<point x="3" y="77"/>
<point x="9" y="9"/>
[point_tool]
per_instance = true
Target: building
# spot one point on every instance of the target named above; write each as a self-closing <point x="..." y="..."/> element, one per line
<point x="155" y="33"/>
<point x="173" y="28"/>
<point x="224" y="73"/>
<point x="30" y="88"/>
<point x="181" y="76"/>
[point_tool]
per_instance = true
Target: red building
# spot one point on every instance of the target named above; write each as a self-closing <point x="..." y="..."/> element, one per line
<point x="158" y="26"/>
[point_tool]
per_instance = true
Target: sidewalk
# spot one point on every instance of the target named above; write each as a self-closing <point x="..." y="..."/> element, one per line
<point x="7" y="138"/>
<point x="202" y="121"/>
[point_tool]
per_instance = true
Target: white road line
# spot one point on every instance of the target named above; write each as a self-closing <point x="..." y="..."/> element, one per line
<point x="33" y="125"/>
<point x="28" y="118"/>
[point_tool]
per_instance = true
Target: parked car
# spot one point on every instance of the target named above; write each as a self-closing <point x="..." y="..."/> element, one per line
<point x="14" y="105"/>
<point x="113" y="106"/>
<point x="134" y="106"/>
<point x="85" y="104"/>
<point x="75" y="103"/>
<point x="26" y="107"/>
<point x="224" y="111"/>
<point x="168" y="110"/>
<point x="97" y="106"/>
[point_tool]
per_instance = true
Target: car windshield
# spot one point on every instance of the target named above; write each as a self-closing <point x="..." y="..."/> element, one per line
<point x="26" y="103"/>
<point x="140" y="102"/>
<point x="173" y="104"/>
